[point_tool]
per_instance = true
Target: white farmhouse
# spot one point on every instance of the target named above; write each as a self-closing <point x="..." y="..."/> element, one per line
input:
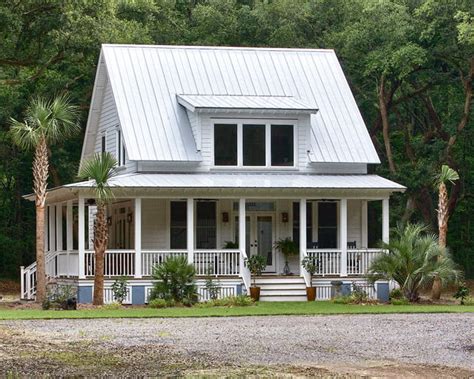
<point x="223" y="151"/>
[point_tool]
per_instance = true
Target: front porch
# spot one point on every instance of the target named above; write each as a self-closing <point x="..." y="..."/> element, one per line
<point x="145" y="231"/>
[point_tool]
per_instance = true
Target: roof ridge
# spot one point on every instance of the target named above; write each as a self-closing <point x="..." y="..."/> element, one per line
<point x="201" y="47"/>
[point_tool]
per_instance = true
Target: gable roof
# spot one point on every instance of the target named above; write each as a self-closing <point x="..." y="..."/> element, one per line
<point x="147" y="79"/>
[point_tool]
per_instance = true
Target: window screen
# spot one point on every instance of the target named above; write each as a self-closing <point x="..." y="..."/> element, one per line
<point x="282" y="145"/>
<point x="178" y="225"/>
<point x="254" y="145"/>
<point x="225" y="144"/>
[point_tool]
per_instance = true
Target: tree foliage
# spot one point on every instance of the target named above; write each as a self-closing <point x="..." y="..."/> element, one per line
<point x="409" y="63"/>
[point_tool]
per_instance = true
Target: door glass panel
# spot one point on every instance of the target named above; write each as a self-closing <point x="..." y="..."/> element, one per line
<point x="264" y="238"/>
<point x="254" y="145"/>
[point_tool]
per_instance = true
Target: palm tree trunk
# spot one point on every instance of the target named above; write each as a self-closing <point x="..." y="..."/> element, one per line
<point x="40" y="183"/>
<point x="443" y="231"/>
<point x="100" y="244"/>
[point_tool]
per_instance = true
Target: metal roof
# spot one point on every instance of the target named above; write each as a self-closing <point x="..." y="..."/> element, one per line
<point x="146" y="79"/>
<point x="242" y="102"/>
<point x="243" y="180"/>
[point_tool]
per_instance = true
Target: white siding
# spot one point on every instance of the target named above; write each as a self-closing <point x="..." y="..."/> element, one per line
<point x="354" y="222"/>
<point x="108" y="126"/>
<point x="155" y="233"/>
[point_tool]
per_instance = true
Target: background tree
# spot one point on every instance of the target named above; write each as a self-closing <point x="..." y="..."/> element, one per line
<point x="100" y="168"/>
<point x="47" y="122"/>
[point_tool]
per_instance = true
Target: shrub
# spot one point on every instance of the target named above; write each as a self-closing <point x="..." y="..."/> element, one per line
<point x="342" y="299"/>
<point x="396" y="293"/>
<point x="120" y="290"/>
<point x="212" y="288"/>
<point x="401" y="301"/>
<point x="462" y="293"/>
<point x="157" y="303"/>
<point x="413" y="260"/>
<point x="229" y="301"/>
<point x="60" y="296"/>
<point x="358" y="295"/>
<point x="256" y="264"/>
<point x="175" y="281"/>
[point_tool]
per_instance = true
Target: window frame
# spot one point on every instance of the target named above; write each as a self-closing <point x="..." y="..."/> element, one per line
<point x="268" y="150"/>
<point x="120" y="153"/>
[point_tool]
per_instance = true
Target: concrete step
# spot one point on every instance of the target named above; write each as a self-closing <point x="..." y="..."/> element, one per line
<point x="282" y="286"/>
<point x="283" y="298"/>
<point x="279" y="280"/>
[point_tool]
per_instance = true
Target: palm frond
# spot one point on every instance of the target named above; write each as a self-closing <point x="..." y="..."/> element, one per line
<point x="447" y="174"/>
<point x="23" y="134"/>
<point x="100" y="168"/>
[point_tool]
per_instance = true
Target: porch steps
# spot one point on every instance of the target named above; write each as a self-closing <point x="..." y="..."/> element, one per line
<point x="281" y="288"/>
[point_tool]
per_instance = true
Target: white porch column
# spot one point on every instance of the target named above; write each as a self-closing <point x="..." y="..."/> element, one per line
<point x="59" y="227"/>
<point x="242" y="231"/>
<point x="303" y="238"/>
<point x="46" y="228"/>
<point x="343" y="235"/>
<point x="69" y="236"/>
<point x="138" y="237"/>
<point x="52" y="229"/>
<point x="190" y="229"/>
<point x="364" y="240"/>
<point x="69" y="226"/>
<point x="81" y="238"/>
<point x="385" y="220"/>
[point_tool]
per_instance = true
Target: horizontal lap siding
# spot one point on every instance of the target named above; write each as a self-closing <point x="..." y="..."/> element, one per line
<point x="154" y="224"/>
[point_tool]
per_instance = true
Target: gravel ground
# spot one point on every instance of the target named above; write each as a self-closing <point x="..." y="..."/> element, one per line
<point x="359" y="345"/>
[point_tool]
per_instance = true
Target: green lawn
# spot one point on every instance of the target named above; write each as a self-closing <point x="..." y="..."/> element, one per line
<point x="261" y="309"/>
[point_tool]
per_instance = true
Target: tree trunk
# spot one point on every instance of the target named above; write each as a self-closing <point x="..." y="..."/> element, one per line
<point x="40" y="183"/>
<point x="443" y="231"/>
<point x="385" y="125"/>
<point x="100" y="245"/>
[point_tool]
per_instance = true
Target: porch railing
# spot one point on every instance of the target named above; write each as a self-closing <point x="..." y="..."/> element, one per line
<point x="359" y="261"/>
<point x="116" y="263"/>
<point x="328" y="261"/>
<point x="152" y="258"/>
<point x="217" y="262"/>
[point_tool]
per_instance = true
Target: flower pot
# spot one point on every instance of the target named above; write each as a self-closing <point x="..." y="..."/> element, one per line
<point x="311" y="293"/>
<point x="255" y="293"/>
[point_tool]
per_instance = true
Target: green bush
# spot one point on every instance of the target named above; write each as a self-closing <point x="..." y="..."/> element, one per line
<point x="401" y="301"/>
<point x="175" y="281"/>
<point x="396" y="293"/>
<point x="157" y="303"/>
<point x="120" y="290"/>
<point x="230" y="301"/>
<point x="462" y="293"/>
<point x="60" y="296"/>
<point x="342" y="299"/>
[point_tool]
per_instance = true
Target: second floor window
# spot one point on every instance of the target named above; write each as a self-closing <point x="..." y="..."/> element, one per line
<point x="120" y="149"/>
<point x="254" y="145"/>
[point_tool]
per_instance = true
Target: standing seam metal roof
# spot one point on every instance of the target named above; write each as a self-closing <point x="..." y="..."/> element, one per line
<point x="146" y="80"/>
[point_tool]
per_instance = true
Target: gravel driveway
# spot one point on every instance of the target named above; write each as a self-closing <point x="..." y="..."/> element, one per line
<point x="428" y="344"/>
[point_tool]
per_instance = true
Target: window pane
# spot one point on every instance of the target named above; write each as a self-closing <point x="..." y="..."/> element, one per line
<point x="206" y="225"/>
<point x="178" y="225"/>
<point x="282" y="145"/>
<point x="327" y="225"/>
<point x="254" y="145"/>
<point x="225" y="145"/>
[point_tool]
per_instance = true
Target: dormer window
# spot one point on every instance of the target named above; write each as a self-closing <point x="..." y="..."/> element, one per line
<point x="256" y="144"/>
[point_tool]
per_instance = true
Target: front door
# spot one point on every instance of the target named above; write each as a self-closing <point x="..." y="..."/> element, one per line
<point x="259" y="237"/>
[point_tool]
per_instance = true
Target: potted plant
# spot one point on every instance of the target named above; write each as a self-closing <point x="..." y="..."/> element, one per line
<point x="230" y="245"/>
<point x="256" y="264"/>
<point x="288" y="248"/>
<point x="309" y="264"/>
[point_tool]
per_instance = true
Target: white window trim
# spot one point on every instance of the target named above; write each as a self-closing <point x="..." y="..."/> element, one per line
<point x="268" y="153"/>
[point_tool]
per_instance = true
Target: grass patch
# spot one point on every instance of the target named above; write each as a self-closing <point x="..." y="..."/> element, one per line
<point x="260" y="309"/>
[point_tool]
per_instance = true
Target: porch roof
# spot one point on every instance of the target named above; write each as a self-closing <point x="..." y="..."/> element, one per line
<point x="248" y="180"/>
<point x="244" y="102"/>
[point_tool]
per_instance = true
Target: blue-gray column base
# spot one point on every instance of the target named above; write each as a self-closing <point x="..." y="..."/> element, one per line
<point x="84" y="294"/>
<point x="383" y="292"/>
<point x="138" y="295"/>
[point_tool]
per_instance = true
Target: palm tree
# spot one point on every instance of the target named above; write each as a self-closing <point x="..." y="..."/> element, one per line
<point x="46" y="123"/>
<point x="446" y="175"/>
<point x="413" y="260"/>
<point x="100" y="168"/>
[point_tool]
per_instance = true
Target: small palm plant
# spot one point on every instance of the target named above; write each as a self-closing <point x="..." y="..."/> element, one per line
<point x="447" y="175"/>
<point x="47" y="122"/>
<point x="413" y="260"/>
<point x="100" y="168"/>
